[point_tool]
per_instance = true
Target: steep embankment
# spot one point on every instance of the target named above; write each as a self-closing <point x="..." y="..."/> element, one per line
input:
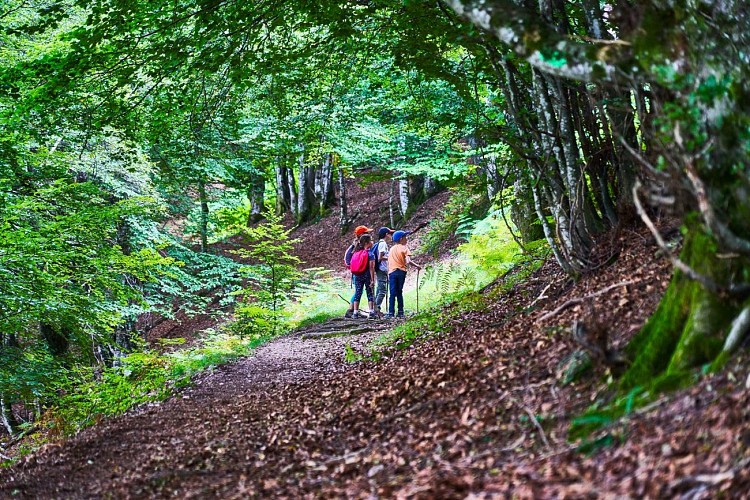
<point x="451" y="416"/>
<point x="322" y="244"/>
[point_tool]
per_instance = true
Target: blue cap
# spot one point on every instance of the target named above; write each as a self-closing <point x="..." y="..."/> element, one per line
<point x="399" y="234"/>
<point x="383" y="231"/>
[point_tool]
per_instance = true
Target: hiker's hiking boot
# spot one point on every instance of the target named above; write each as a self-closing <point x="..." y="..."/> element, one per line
<point x="349" y="314"/>
<point x="373" y="315"/>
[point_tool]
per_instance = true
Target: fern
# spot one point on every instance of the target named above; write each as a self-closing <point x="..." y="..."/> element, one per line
<point x="466" y="225"/>
<point x="429" y="274"/>
<point x="467" y="280"/>
<point x="445" y="280"/>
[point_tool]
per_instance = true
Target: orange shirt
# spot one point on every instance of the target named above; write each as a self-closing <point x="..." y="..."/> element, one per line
<point x="397" y="257"/>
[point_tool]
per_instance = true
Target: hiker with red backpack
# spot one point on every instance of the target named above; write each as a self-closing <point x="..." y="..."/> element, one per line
<point x="358" y="231"/>
<point x="363" y="269"/>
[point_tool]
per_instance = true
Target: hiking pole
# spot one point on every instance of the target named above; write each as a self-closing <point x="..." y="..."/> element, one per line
<point x="418" y="290"/>
<point x="387" y="286"/>
<point x="342" y="298"/>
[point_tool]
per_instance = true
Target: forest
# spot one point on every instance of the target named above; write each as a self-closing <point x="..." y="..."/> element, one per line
<point x="179" y="180"/>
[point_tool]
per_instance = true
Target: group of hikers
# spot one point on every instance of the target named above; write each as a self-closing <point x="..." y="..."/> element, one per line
<point x="377" y="262"/>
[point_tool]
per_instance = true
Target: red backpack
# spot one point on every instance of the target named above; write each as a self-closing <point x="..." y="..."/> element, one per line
<point x="359" y="262"/>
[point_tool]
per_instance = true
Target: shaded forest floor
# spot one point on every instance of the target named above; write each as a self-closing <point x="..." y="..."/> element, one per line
<point x="476" y="411"/>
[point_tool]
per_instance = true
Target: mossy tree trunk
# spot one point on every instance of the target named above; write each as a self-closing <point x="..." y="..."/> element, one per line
<point x="691" y="322"/>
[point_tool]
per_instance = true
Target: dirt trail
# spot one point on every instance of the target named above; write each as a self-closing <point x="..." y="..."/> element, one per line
<point x="160" y="447"/>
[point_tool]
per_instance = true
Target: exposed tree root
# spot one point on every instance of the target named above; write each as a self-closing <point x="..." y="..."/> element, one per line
<point x="338" y="329"/>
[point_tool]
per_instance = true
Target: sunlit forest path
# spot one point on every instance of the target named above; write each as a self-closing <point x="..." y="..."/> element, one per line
<point x="480" y="409"/>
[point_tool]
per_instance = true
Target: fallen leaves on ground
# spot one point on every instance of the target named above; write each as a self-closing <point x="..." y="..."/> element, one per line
<point x="476" y="412"/>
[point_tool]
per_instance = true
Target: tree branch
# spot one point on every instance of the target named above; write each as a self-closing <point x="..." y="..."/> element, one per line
<point x="722" y="232"/>
<point x="521" y="29"/>
<point x="738" y="291"/>
<point x="578" y="300"/>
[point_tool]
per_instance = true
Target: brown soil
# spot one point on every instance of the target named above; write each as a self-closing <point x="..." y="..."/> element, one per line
<point x="447" y="418"/>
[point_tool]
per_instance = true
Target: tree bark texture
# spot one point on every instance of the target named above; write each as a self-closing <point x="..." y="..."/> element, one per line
<point x="306" y="193"/>
<point x="256" y="196"/>
<point x="403" y="197"/>
<point x="586" y="147"/>
<point x="283" y="198"/>
<point x="292" y="188"/>
<point x="343" y="209"/>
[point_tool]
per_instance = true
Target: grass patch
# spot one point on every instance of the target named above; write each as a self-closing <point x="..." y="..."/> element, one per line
<point x="321" y="299"/>
<point x="317" y="319"/>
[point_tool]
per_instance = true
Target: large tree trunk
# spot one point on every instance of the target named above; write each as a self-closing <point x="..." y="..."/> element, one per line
<point x="690" y="325"/>
<point x="404" y="201"/>
<point x="56" y="339"/>
<point x="306" y="194"/>
<point x="283" y="198"/>
<point x="255" y="194"/>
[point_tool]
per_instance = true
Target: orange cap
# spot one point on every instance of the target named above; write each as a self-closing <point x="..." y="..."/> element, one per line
<point x="362" y="230"/>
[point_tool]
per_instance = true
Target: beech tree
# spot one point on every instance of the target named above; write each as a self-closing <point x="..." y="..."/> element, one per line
<point x="679" y="72"/>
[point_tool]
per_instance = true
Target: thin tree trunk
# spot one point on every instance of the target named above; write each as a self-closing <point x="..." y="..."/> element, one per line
<point x="317" y="178"/>
<point x="391" y="194"/>
<point x="328" y="197"/>
<point x="204" y="215"/>
<point x="306" y="193"/>
<point x="292" y="187"/>
<point x="9" y="421"/>
<point x="523" y="213"/>
<point x="343" y="216"/>
<point x="493" y="180"/>
<point x="6" y="412"/>
<point x="548" y="231"/>
<point x="125" y="333"/>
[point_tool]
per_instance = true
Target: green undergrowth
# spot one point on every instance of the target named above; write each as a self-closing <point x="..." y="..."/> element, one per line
<point x="457" y="217"/>
<point x="440" y="317"/>
<point x="89" y="395"/>
<point x="321" y="298"/>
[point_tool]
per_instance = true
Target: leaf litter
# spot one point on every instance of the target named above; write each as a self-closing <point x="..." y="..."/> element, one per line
<point x="477" y="412"/>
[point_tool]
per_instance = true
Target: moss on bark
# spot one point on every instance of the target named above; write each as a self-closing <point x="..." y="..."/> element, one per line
<point x="690" y="324"/>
